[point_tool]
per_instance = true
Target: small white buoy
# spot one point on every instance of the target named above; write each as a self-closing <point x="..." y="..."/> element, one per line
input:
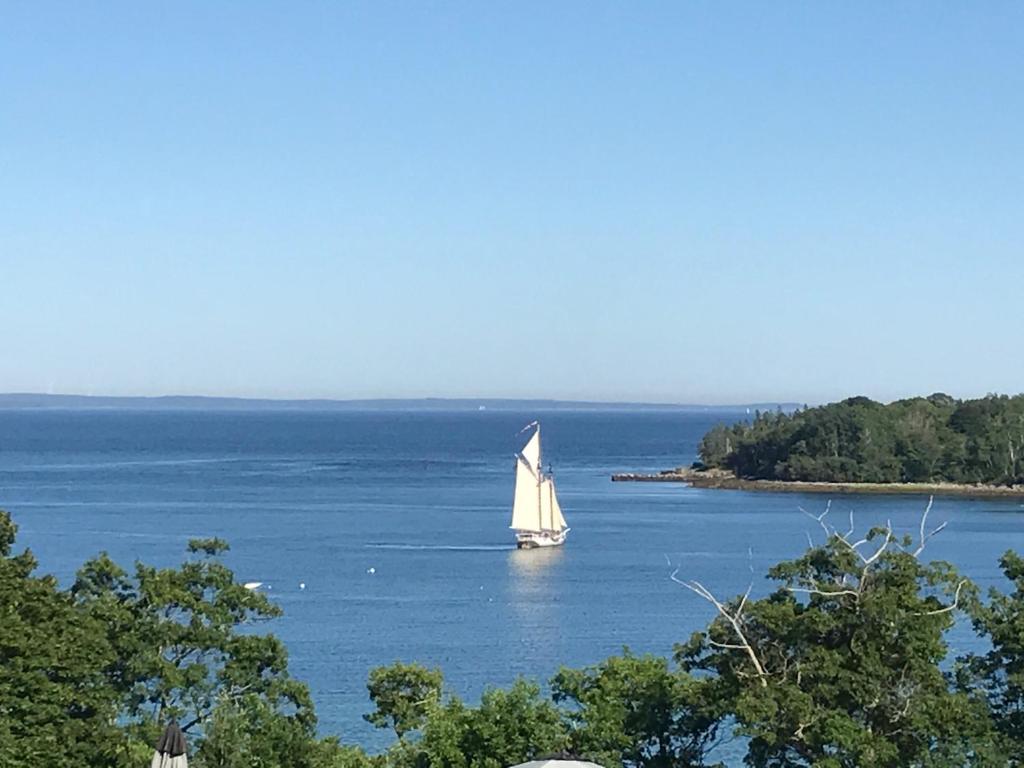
<point x="371" y="569"/>
<point x="302" y="585"/>
<point x="253" y="584"/>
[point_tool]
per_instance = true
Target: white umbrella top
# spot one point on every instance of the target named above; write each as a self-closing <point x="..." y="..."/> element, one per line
<point x="171" y="749"/>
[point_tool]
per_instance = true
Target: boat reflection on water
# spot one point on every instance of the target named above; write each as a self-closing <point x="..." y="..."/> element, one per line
<point x="536" y="608"/>
<point x="530" y="569"/>
<point x="533" y="588"/>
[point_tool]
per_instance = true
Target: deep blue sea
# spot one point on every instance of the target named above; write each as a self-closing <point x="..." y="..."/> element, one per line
<point x="396" y="522"/>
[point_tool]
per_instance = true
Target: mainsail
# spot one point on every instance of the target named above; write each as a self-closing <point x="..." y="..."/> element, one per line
<point x="547" y="503"/>
<point x="535" y="505"/>
<point x="526" y="504"/>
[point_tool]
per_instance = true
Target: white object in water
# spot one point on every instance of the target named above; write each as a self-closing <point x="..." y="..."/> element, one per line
<point x="536" y="515"/>
<point x="302" y="585"/>
<point x="371" y="569"/>
<point x="253" y="584"/>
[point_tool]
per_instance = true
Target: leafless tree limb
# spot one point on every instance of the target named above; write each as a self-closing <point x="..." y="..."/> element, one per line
<point x="735" y="619"/>
<point x="727" y="646"/>
<point x="882" y="547"/>
<point x="952" y="606"/>
<point x="850" y="532"/>
<point x="925" y="537"/>
<point x="820" y="519"/>
<point x="924" y="518"/>
<point x="826" y="593"/>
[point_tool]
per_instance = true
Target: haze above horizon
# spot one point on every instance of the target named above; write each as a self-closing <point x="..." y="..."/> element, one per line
<point x="28" y="400"/>
<point x="672" y="203"/>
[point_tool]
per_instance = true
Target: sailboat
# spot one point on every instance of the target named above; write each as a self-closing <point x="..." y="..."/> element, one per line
<point x="536" y="516"/>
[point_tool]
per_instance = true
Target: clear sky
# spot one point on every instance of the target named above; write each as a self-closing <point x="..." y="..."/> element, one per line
<point x="689" y="202"/>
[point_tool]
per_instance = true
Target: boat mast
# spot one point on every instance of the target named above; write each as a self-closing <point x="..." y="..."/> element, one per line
<point x="540" y="484"/>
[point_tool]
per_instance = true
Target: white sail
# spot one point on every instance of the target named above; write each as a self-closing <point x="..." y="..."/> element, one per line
<point x="547" y="495"/>
<point x="531" y="452"/>
<point x="558" y="522"/>
<point x="536" y="513"/>
<point x="526" y="503"/>
<point x="550" y="512"/>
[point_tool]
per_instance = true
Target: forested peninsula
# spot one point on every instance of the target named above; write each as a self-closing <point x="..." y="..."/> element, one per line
<point x="922" y="441"/>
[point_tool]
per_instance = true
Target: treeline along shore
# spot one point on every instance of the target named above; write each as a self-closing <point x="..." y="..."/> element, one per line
<point x="723" y="479"/>
<point x="935" y="444"/>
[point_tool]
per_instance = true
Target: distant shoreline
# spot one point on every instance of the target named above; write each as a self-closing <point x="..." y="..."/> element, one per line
<point x="720" y="479"/>
<point x="34" y="401"/>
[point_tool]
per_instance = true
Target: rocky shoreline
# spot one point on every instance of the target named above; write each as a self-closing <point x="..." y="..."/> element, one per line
<point x="717" y="478"/>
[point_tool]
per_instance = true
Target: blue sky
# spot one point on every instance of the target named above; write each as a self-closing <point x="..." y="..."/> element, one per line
<point x="689" y="202"/>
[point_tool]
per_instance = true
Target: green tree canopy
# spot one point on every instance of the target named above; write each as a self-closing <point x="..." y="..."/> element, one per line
<point x="639" y="712"/>
<point x="843" y="664"/>
<point x="930" y="439"/>
<point x="508" y="727"/>
<point x="179" y="648"/>
<point x="840" y="665"/>
<point x="90" y="675"/>
<point x="404" y="694"/>
<point x="998" y="674"/>
<point x="57" y="707"/>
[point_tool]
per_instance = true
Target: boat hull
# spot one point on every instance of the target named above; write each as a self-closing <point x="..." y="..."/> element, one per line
<point x="540" y="539"/>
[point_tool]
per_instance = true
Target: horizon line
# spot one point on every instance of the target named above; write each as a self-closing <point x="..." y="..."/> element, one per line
<point x="440" y="399"/>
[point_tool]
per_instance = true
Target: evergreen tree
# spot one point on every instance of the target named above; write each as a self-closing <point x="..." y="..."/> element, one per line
<point x="933" y="439"/>
<point x="839" y="667"/>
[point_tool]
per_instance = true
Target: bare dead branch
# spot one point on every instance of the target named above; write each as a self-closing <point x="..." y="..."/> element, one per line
<point x="735" y="620"/>
<point x="952" y="606"/>
<point x="820" y="519"/>
<point x="726" y="646"/>
<point x="853" y="547"/>
<point x="826" y="593"/>
<point x="926" y="537"/>
<point x="924" y="519"/>
<point x="882" y="547"/>
<point x="743" y="600"/>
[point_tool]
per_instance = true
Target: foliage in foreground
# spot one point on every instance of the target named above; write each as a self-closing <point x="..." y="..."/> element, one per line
<point x="840" y="665"/>
<point x="933" y="439"/>
<point x="843" y="664"/>
<point x="89" y="675"/>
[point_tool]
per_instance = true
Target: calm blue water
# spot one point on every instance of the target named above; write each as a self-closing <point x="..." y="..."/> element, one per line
<point x="423" y="499"/>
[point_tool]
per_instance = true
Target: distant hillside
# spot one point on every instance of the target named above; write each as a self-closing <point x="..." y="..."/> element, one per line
<point x="918" y="440"/>
<point x="186" y="402"/>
